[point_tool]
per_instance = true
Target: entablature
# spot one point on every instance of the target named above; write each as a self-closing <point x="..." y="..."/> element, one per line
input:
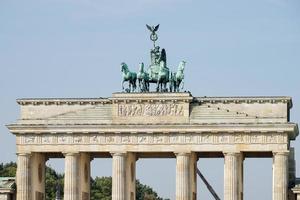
<point x="291" y="129"/>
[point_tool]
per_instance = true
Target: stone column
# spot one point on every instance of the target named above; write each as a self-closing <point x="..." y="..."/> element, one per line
<point x="280" y="175"/>
<point x="183" y="176"/>
<point x="241" y="176"/>
<point x="84" y="176"/>
<point x="23" y="177"/>
<point x="193" y="176"/>
<point x="71" y="177"/>
<point x="232" y="176"/>
<point x="37" y="161"/>
<point x="292" y="174"/>
<point x="131" y="176"/>
<point x="119" y="176"/>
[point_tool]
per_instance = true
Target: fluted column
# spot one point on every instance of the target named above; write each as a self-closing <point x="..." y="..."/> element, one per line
<point x="37" y="178"/>
<point x="71" y="176"/>
<point x="182" y="176"/>
<point x="232" y="173"/>
<point x="84" y="171"/>
<point x="119" y="176"/>
<point x="280" y="175"/>
<point x="23" y="177"/>
<point x="131" y="159"/>
<point x="193" y="176"/>
<point x="240" y="167"/>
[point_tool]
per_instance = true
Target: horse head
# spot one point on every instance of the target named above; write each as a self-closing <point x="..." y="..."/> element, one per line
<point x="124" y="67"/>
<point x="141" y="67"/>
<point x="181" y="66"/>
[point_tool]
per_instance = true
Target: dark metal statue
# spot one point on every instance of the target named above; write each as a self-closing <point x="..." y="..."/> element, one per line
<point x="153" y="35"/>
<point x="129" y="76"/>
<point x="157" y="72"/>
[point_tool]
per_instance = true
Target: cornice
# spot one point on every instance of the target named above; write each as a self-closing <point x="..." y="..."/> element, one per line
<point x="246" y="99"/>
<point x="151" y="97"/>
<point x="63" y="101"/>
<point x="290" y="128"/>
<point x="154" y="97"/>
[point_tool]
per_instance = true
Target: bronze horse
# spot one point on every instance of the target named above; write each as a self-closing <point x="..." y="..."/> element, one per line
<point x="129" y="76"/>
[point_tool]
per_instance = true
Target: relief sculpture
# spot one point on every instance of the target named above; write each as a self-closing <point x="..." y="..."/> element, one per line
<point x="137" y="110"/>
<point x="161" y="139"/>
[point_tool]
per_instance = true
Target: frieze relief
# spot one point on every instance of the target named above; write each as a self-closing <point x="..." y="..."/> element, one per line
<point x="138" y="110"/>
<point x="153" y="138"/>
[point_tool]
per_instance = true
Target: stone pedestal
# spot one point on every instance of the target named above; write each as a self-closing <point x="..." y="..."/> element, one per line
<point x="183" y="176"/>
<point x="280" y="175"/>
<point x="233" y="176"/>
<point x="119" y="176"/>
<point x="71" y="176"/>
<point x="23" y="177"/>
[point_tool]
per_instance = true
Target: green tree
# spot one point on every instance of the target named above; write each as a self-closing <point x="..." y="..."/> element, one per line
<point x="8" y="170"/>
<point x="101" y="188"/>
<point x="52" y="180"/>
<point x="144" y="192"/>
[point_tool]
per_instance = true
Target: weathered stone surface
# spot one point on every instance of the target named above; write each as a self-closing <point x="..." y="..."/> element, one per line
<point x="128" y="126"/>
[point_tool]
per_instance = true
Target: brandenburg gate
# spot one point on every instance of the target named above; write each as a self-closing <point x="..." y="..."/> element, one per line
<point x="131" y="125"/>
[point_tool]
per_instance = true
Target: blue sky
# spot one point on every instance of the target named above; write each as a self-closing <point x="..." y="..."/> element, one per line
<point x="73" y="48"/>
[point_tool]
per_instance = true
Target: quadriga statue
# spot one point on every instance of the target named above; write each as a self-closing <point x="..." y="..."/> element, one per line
<point x="157" y="72"/>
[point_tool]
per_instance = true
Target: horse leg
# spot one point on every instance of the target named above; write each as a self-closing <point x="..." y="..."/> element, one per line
<point x="140" y="89"/>
<point x="143" y="85"/>
<point x="133" y="83"/>
<point x="147" y="84"/>
<point x="123" y="85"/>
<point x="166" y="88"/>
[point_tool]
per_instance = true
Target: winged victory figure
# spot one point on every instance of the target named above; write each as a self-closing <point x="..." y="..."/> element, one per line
<point x="153" y="29"/>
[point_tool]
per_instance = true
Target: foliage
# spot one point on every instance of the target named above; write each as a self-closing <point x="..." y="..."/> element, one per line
<point x="101" y="189"/>
<point x="100" y="186"/>
<point x="144" y="192"/>
<point x="8" y="170"/>
<point x="52" y="180"/>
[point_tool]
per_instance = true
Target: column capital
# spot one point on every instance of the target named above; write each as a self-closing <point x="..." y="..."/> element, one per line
<point x="70" y="153"/>
<point x="24" y="154"/>
<point x="280" y="153"/>
<point x="232" y="153"/>
<point x="118" y="153"/>
<point x="182" y="153"/>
